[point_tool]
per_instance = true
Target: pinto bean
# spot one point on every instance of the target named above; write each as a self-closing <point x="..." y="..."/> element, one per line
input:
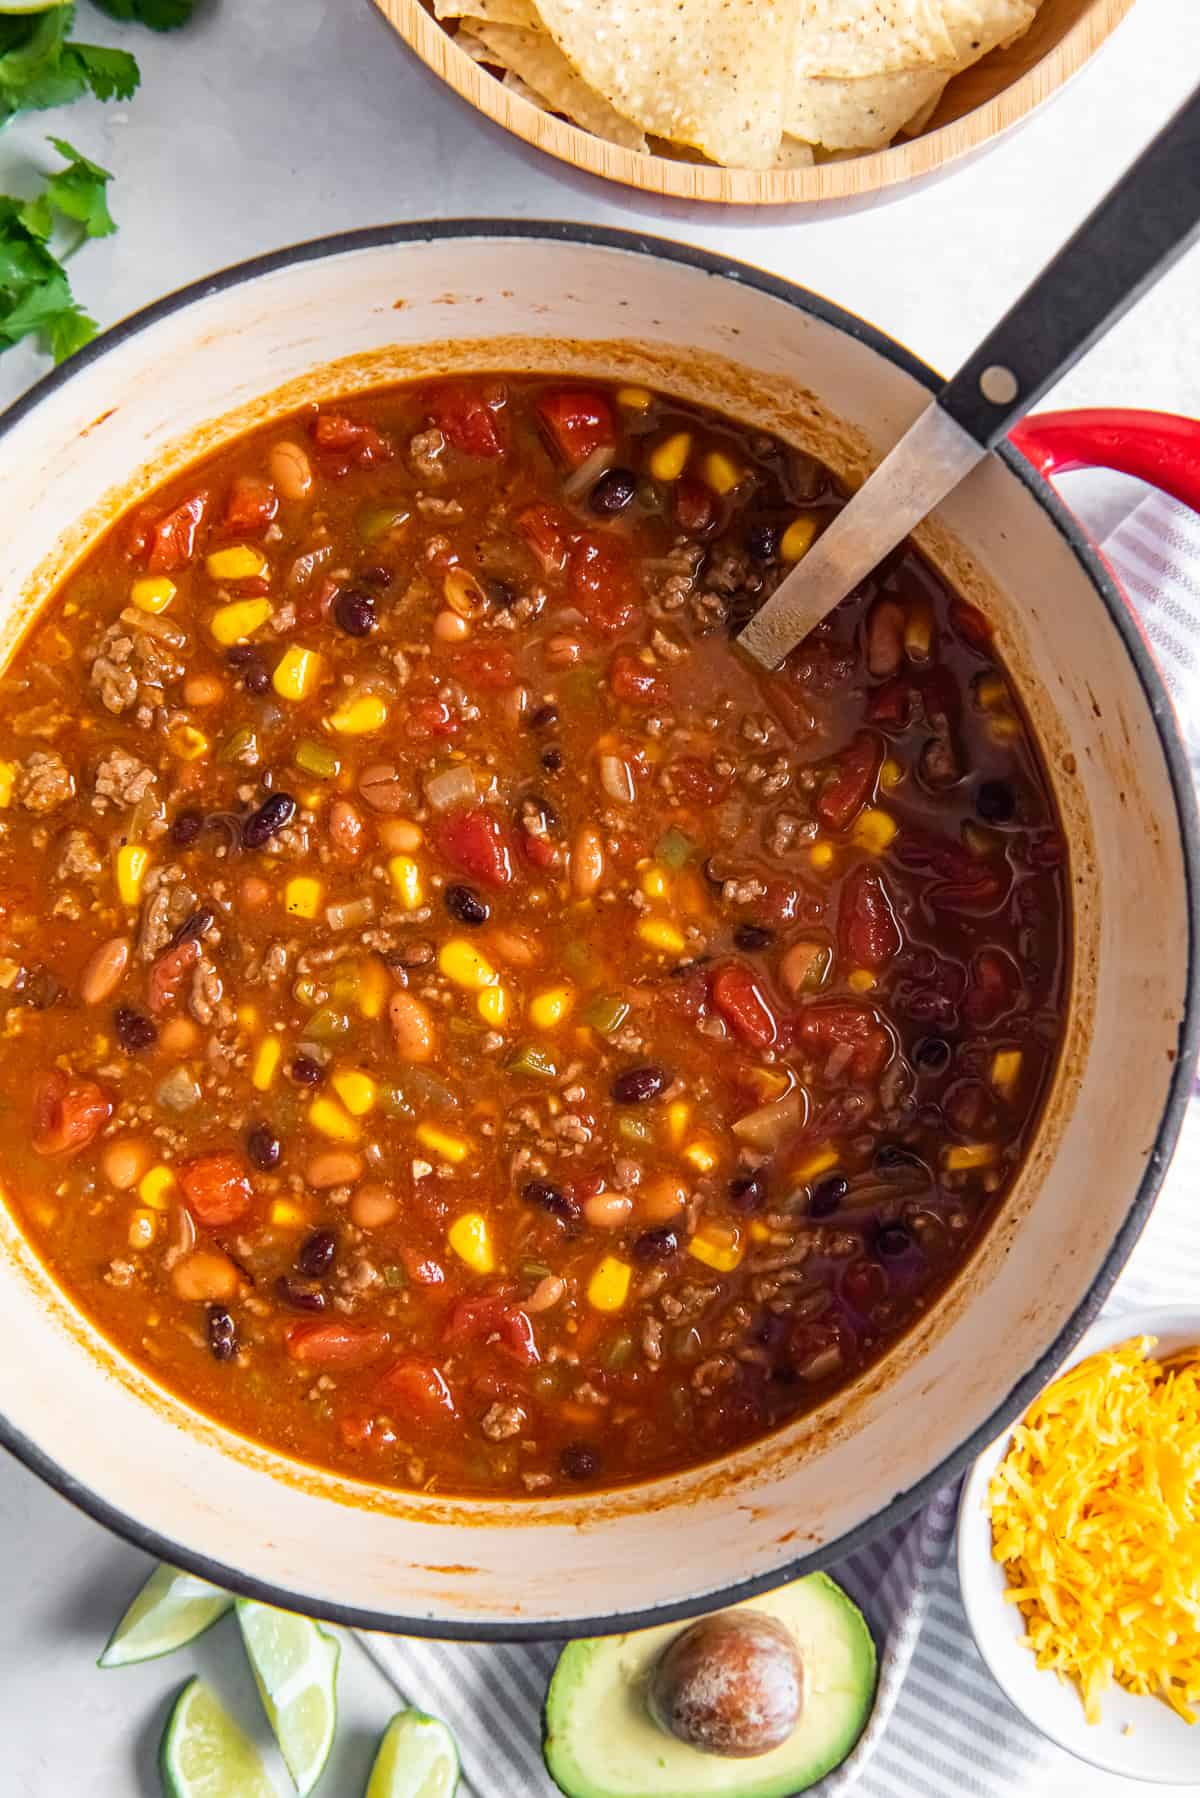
<point x="334" y="1167"/>
<point x="608" y="1210"/>
<point x="291" y="470"/>
<point x="885" y="637"/>
<point x="412" y="1027"/>
<point x="104" y="970"/>
<point x="399" y="836"/>
<point x="587" y="862"/>
<point x="124" y="1161"/>
<point x="347" y="832"/>
<point x="371" y="1207"/>
<point x="205" y="1276"/>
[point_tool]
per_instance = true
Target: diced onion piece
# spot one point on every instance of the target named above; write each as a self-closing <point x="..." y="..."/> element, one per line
<point x="452" y="786"/>
<point x="616" y="777"/>
<point x="589" y="471"/>
<point x="766" y="1128"/>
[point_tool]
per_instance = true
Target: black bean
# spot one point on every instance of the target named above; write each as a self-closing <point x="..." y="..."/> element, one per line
<point x="995" y="802"/>
<point x="302" y="1295"/>
<point x="134" y="1030"/>
<point x="636" y="1085"/>
<point x="537" y="808"/>
<point x="501" y="593"/>
<point x="762" y="542"/>
<point x="185" y="828"/>
<point x="552" y="759"/>
<point x="893" y="1158"/>
<point x="892" y="1240"/>
<point x="306" y="1071"/>
<point x="263" y="1147"/>
<point x="614" y="491"/>
<point x="579" y="1462"/>
<point x="748" y="1192"/>
<point x="272" y="815"/>
<point x="241" y="655"/>
<point x="317" y="1254"/>
<point x="752" y="937"/>
<point x="543" y="717"/>
<point x="377" y="575"/>
<point x="655" y="1245"/>
<point x="464" y="904"/>
<point x="828" y="1195"/>
<point x="222" y="1334"/>
<point x="932" y="1055"/>
<point x="256" y="679"/>
<point x="552" y="1199"/>
<point x="354" y="612"/>
<point x="194" y="927"/>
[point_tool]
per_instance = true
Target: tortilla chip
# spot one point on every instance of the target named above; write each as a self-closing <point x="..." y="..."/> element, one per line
<point x="864" y="114"/>
<point x="852" y="39"/>
<point x="532" y="56"/>
<point x="794" y="155"/>
<point x="709" y="73"/>
<point x="977" y="26"/>
<point x="914" y="126"/>
<point x="490" y="12"/>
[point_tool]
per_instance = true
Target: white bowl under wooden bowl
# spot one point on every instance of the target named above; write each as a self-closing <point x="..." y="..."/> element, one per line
<point x="977" y="106"/>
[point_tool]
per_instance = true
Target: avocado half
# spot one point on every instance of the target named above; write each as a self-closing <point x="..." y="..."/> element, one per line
<point x="600" y="1742"/>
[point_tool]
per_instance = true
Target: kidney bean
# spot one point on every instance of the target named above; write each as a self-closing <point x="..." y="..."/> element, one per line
<point x="868" y="935"/>
<point x="885" y="637"/>
<point x="552" y="1199"/>
<point x="68" y="1113"/>
<point x="638" y="1085"/>
<point x="855" y="772"/>
<point x="739" y="999"/>
<point x="301" y="1295"/>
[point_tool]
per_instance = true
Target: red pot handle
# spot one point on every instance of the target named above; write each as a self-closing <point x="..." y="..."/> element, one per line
<point x="1158" y="447"/>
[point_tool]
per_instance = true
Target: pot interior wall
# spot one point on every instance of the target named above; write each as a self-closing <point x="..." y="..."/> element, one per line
<point x="197" y="375"/>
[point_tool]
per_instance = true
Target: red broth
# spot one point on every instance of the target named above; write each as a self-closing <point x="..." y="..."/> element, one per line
<point x="465" y="1026"/>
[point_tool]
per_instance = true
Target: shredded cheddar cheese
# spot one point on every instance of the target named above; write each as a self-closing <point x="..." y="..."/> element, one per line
<point x="1096" y="1517"/>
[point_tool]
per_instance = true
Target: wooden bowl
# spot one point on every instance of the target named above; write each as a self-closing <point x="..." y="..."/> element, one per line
<point x="977" y="105"/>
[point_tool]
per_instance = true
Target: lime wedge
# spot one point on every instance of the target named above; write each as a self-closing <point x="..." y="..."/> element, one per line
<point x="295" y="1668"/>
<point x="417" y="1758"/>
<point x="172" y="1608"/>
<point x="204" y="1754"/>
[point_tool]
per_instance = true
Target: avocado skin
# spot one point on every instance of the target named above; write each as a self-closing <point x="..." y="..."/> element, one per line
<point x="590" y="1668"/>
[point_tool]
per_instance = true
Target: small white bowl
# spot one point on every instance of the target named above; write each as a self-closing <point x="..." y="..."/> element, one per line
<point x="1139" y="1737"/>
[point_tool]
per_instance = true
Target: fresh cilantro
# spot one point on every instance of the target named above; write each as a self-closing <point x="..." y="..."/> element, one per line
<point x="160" y="15"/>
<point x="40" y="66"/>
<point x="35" y="293"/>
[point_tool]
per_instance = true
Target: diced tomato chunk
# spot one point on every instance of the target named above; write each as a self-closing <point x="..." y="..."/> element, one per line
<point x="994" y="986"/>
<point x="868" y="934"/>
<point x="250" y="506"/>
<point x="337" y="1344"/>
<point x="169" y="971"/>
<point x="474" y="1320"/>
<point x="68" y="1113"/>
<point x="470" y="416"/>
<point x="489" y="667"/>
<point x="739" y="999"/>
<point x="478" y="843"/>
<point x="970" y="624"/>
<point x="216" y="1188"/>
<point x="422" y="1269"/>
<point x="603" y="581"/>
<point x="864" y="1285"/>
<point x="856" y="770"/>
<point x="693" y="778"/>
<point x="426" y="716"/>
<point x="962" y="880"/>
<point x="824" y="1029"/>
<point x="419" y="1388"/>
<point x="349" y="439"/>
<point x="578" y="420"/>
<point x="634" y="681"/>
<point x="164" y="543"/>
<point x="891" y="705"/>
<point x="548" y="532"/>
<point x="695" y="506"/>
<point x="539" y="850"/>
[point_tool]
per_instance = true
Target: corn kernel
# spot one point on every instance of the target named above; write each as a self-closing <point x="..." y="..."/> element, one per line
<point x="656" y="883"/>
<point x="302" y="897"/>
<point x="679" y="1114"/>
<point x="493" y="1005"/>
<point x="247" y="1017"/>
<point x="440" y="1142"/>
<point x="608" y="1287"/>
<point x="188" y="743"/>
<point x="635" y="399"/>
<point x="154" y="594"/>
<point x="327" y="1116"/>
<point x="873" y="829"/>
<point x="266" y="1063"/>
<point x="240" y="563"/>
<point x="360" y="716"/>
<point x="297" y="672"/>
<point x="1004" y="728"/>
<point x="991" y="692"/>
<point x="891" y="773"/>
<point x="702" y="1156"/>
<point x="236" y="622"/>
<point x="669" y="458"/>
<point x="461" y="962"/>
<point x="759" y="1231"/>
<point x="406" y="879"/>
<point x="720" y="472"/>
<point x="798" y="539"/>
<point x="547" y="1010"/>
<point x="657" y="933"/>
<point x="373" y="988"/>
<point x="287" y="1216"/>
<point x="155" y="1187"/>
<point x="918" y="631"/>
<point x="821" y="855"/>
<point x="8" y="780"/>
<point x="860" y="980"/>
<point x="143" y="1228"/>
<point x="356" y="1090"/>
<point x="717" y="1246"/>
<point x="471" y="1241"/>
<point x="819" y="1162"/>
<point x="1006" y="1071"/>
<point x="964" y="1156"/>
<point x="132" y="862"/>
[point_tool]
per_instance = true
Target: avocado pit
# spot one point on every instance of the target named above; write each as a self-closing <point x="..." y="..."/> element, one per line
<point x="732" y="1685"/>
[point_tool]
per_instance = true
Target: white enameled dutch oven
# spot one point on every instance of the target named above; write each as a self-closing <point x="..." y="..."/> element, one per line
<point x="407" y="301"/>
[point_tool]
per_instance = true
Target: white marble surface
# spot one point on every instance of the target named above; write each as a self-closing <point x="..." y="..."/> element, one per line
<point x="276" y="120"/>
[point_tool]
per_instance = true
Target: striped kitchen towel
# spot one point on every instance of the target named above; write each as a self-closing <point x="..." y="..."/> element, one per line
<point x="940" y="1728"/>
